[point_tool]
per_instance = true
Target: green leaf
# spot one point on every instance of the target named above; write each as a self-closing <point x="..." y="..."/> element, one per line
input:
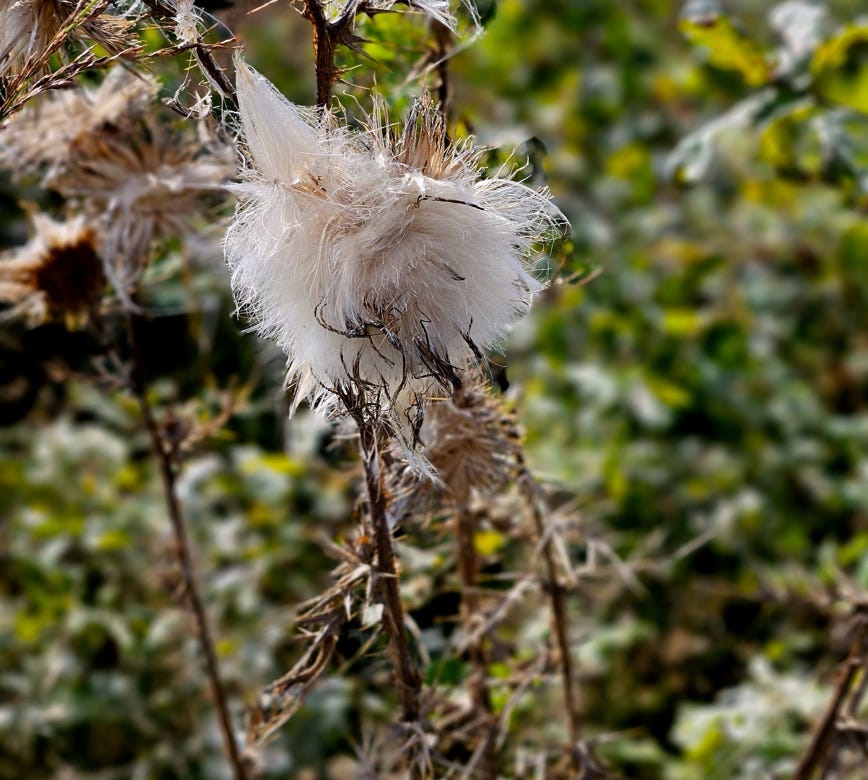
<point x="840" y="67"/>
<point x="728" y="47"/>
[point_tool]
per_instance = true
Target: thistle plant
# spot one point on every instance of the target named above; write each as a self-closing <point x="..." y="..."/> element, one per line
<point x="382" y="258"/>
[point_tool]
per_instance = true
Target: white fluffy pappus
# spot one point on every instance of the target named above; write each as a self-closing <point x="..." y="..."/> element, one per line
<point x="376" y="260"/>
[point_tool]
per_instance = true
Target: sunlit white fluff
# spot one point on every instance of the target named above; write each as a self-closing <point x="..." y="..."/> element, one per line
<point x="371" y="258"/>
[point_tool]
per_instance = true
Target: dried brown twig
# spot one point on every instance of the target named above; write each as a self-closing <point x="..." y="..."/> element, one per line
<point x="468" y="569"/>
<point x="163" y="452"/>
<point x="322" y="619"/>
<point x="838" y="726"/>
<point x="34" y="76"/>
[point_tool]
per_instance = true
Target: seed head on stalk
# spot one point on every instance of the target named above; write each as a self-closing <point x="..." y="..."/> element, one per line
<point x="376" y="258"/>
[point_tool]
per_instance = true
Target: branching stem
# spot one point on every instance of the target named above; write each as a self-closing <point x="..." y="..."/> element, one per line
<point x="558" y="601"/>
<point x="848" y="674"/>
<point x="164" y="456"/>
<point x="327" y="36"/>
<point x="409" y="680"/>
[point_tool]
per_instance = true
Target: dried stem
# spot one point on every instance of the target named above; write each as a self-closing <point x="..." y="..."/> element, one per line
<point x="558" y="601"/>
<point x="327" y="36"/>
<point x="440" y="53"/>
<point x="827" y="730"/>
<point x="164" y="454"/>
<point x="409" y="680"/>
<point x="468" y="568"/>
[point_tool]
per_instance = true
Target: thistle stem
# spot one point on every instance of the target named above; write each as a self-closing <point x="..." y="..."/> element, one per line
<point x="409" y="680"/>
<point x="558" y="602"/>
<point x="826" y="732"/>
<point x="440" y="53"/>
<point x="468" y="569"/>
<point x="168" y="474"/>
<point x="326" y="37"/>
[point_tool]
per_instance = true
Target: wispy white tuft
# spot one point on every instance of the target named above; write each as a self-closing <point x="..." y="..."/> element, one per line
<point x="371" y="258"/>
<point x="187" y="20"/>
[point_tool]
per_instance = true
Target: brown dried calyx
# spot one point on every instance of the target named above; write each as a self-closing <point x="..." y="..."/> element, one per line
<point x="56" y="277"/>
<point x="471" y="441"/>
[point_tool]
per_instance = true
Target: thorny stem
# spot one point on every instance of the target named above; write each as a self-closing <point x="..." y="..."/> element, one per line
<point x="168" y="473"/>
<point x="409" y="680"/>
<point x="824" y="736"/>
<point x="326" y="38"/>
<point x="468" y="566"/>
<point x="557" y="598"/>
<point x="440" y="53"/>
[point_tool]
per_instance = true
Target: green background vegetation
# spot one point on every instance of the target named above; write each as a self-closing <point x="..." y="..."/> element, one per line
<point x="696" y="375"/>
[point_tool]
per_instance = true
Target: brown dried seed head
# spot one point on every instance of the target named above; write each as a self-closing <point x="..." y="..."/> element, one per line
<point x="28" y="29"/>
<point x="467" y="442"/>
<point x="56" y="276"/>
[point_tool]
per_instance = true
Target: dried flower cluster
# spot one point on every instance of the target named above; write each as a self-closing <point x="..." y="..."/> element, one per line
<point x="28" y="28"/>
<point x="57" y="275"/>
<point x="135" y="177"/>
<point x="376" y="259"/>
<point x="471" y="441"/>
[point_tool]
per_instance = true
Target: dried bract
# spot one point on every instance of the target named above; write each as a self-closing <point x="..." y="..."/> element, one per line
<point x="56" y="276"/>
<point x="374" y="259"/>
<point x="187" y="20"/>
<point x="471" y="442"/>
<point x="54" y="131"/>
<point x="29" y="27"/>
<point x="136" y="177"/>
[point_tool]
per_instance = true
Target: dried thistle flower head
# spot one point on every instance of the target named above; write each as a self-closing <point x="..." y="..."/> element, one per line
<point x="56" y="276"/>
<point x="145" y="186"/>
<point x="56" y="129"/>
<point x="471" y="441"/>
<point x="137" y="178"/>
<point x="29" y="27"/>
<point x="374" y="259"/>
<point x="471" y="448"/>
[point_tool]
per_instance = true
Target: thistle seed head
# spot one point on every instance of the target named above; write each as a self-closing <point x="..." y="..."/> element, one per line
<point x="135" y="177"/>
<point x="376" y="259"/>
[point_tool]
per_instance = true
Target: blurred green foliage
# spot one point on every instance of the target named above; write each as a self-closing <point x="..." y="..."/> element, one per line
<point x="696" y="375"/>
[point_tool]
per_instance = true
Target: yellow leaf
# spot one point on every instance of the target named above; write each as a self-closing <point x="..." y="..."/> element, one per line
<point x="683" y="321"/>
<point x="840" y="67"/>
<point x="728" y="48"/>
<point x="487" y="542"/>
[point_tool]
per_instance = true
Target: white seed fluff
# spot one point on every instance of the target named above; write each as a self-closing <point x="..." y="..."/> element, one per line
<point x="371" y="258"/>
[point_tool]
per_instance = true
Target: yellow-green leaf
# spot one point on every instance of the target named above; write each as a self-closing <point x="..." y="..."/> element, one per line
<point x="840" y="67"/>
<point x="728" y="48"/>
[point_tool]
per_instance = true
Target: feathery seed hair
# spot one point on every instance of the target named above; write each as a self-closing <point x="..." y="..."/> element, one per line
<point x="28" y="28"/>
<point x="438" y="10"/>
<point x="376" y="259"/>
